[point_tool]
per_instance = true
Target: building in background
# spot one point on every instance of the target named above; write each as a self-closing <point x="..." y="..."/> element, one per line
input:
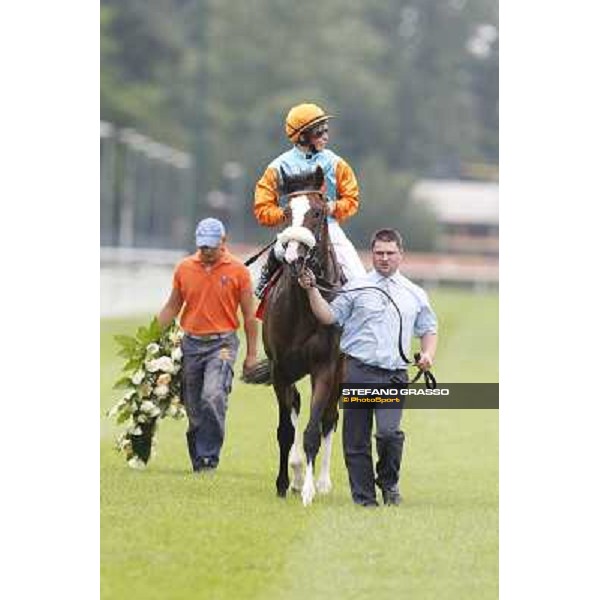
<point x="467" y="213"/>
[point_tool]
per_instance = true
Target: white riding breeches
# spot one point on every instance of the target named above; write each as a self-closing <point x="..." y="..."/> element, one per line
<point x="345" y="252"/>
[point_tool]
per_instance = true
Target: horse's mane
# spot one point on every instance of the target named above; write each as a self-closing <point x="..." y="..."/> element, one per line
<point x="307" y="180"/>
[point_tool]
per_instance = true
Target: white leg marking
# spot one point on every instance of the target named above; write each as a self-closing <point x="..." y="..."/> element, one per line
<point x="296" y="455"/>
<point x="324" y="481"/>
<point x="308" y="489"/>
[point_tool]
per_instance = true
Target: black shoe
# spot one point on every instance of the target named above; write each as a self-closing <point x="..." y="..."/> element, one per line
<point x="371" y="504"/>
<point x="206" y="465"/>
<point x="391" y="496"/>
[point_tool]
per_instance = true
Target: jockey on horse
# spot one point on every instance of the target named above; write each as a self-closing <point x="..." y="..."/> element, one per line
<point x="306" y="126"/>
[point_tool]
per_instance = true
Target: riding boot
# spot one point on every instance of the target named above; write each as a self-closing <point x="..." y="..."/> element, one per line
<point x="268" y="270"/>
<point x="389" y="452"/>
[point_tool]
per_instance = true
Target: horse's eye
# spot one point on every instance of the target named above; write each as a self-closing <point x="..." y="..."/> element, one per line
<point x="317" y="213"/>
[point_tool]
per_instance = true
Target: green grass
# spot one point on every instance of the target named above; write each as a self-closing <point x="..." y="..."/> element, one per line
<point x="169" y="534"/>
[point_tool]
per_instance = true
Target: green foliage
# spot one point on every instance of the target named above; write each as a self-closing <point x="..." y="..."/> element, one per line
<point x="216" y="79"/>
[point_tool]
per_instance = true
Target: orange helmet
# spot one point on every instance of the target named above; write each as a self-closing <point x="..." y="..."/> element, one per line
<point x="301" y="117"/>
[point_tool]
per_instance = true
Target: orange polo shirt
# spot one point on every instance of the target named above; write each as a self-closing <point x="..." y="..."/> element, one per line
<point x="211" y="295"/>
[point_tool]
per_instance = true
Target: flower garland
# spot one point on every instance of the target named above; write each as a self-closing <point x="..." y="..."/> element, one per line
<point x="152" y="384"/>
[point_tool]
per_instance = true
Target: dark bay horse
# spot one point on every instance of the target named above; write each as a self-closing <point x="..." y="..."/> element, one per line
<point x="297" y="344"/>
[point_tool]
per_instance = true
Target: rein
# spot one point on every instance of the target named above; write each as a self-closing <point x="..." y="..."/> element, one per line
<point x="254" y="257"/>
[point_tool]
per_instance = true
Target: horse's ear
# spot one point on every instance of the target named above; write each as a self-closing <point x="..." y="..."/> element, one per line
<point x="319" y="177"/>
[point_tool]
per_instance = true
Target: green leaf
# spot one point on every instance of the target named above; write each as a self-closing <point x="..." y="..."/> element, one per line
<point x="133" y="364"/>
<point x="123" y="384"/>
<point x="154" y="329"/>
<point x="123" y="416"/>
<point x="126" y="341"/>
<point x="125" y="353"/>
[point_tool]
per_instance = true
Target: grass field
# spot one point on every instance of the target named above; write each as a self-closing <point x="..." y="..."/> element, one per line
<point x="169" y="534"/>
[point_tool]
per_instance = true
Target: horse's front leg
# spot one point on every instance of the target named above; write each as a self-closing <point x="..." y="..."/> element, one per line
<point x="285" y="435"/>
<point x="296" y="452"/>
<point x="324" y="484"/>
<point x="329" y="423"/>
<point x="312" y="435"/>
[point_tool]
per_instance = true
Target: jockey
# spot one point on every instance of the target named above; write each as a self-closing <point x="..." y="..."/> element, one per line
<point x="306" y="126"/>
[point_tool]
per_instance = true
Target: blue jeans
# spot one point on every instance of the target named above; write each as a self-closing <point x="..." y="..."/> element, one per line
<point x="206" y="383"/>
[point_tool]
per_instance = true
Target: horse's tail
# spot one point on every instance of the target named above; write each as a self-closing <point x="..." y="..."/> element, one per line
<point x="260" y="373"/>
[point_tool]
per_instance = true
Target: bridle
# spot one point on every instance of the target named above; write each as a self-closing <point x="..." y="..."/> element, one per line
<point x="310" y="258"/>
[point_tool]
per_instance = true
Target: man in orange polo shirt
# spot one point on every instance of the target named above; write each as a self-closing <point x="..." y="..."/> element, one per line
<point x="210" y="285"/>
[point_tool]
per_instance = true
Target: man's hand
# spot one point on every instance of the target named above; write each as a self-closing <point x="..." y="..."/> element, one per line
<point x="307" y="279"/>
<point x="425" y="362"/>
<point x="249" y="363"/>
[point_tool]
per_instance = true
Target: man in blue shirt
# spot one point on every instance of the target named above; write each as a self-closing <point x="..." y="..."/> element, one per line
<point x="371" y="329"/>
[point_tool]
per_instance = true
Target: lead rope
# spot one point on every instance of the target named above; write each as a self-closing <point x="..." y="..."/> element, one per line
<point x="429" y="378"/>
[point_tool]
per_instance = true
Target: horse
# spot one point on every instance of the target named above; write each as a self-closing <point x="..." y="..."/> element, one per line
<point x="296" y="344"/>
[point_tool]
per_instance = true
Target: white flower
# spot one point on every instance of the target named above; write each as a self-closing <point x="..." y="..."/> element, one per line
<point x="176" y="411"/>
<point x="152" y="348"/>
<point x="124" y="444"/>
<point x="136" y="463"/>
<point x="151" y="366"/>
<point x="117" y="407"/>
<point x="163" y="363"/>
<point x="160" y="391"/>
<point x="164" y="379"/>
<point x="175" y="400"/>
<point x="138" y="377"/>
<point x="149" y="408"/>
<point x="176" y="336"/>
<point x="144" y="390"/>
<point x="176" y="353"/>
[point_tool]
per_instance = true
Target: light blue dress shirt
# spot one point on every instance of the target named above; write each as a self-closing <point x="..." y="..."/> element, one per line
<point x="370" y="322"/>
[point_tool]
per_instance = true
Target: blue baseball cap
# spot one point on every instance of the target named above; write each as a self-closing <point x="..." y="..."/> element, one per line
<point x="209" y="233"/>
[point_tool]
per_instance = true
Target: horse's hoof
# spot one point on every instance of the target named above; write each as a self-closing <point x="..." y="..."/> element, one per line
<point x="308" y="495"/>
<point x="324" y="486"/>
<point x="281" y="493"/>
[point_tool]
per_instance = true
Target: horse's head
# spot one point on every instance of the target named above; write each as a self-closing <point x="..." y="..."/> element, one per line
<point x="309" y="214"/>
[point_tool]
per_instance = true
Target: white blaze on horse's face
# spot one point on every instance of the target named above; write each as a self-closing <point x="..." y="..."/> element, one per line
<point x="296" y="233"/>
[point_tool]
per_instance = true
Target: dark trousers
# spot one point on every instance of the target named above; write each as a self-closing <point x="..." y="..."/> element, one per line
<point x="356" y="435"/>
<point x="206" y="383"/>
